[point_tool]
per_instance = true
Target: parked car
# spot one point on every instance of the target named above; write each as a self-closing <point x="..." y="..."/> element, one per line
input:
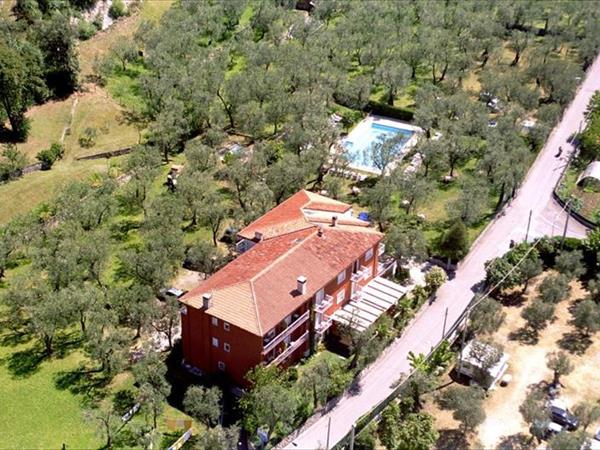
<point x="172" y="292"/>
<point x="564" y="418"/>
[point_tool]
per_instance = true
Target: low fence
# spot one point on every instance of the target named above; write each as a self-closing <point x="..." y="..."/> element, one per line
<point x="110" y="154"/>
<point x="31" y="168"/>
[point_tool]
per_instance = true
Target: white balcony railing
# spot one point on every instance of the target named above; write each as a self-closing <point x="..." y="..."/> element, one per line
<point x="270" y="345"/>
<point x="325" y="304"/>
<point x="363" y="273"/>
<point x="290" y="349"/>
<point x="323" y="326"/>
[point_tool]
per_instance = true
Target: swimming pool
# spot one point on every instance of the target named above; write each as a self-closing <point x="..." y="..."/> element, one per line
<point x="370" y="131"/>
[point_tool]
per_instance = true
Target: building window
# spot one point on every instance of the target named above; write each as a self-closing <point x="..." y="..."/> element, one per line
<point x="225" y="326"/>
<point x="215" y="342"/>
<point x="341" y="296"/>
<point x="221" y="365"/>
<point x="215" y="321"/>
<point x="341" y="277"/>
<point x="369" y="254"/>
<point x="226" y="347"/>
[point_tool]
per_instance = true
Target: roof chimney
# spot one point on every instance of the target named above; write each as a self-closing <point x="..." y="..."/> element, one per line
<point x="320" y="231"/>
<point x="301" y="284"/>
<point x="206" y="300"/>
<point x="258" y="236"/>
<point x="334" y="220"/>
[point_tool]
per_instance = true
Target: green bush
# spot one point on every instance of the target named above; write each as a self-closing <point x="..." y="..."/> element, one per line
<point x="88" y="137"/>
<point x="85" y="30"/>
<point x="50" y="155"/>
<point x="98" y="21"/>
<point x="117" y="9"/>
<point x="366" y="439"/>
<point x="381" y="109"/>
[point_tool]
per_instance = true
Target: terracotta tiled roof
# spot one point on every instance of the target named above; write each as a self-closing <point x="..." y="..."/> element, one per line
<point x="289" y="216"/>
<point x="322" y="206"/>
<point x="257" y="290"/>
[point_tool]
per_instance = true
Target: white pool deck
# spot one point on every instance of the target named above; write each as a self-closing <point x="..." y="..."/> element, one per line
<point x="363" y="129"/>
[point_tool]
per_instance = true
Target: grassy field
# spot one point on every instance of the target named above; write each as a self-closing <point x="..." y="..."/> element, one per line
<point x="99" y="45"/>
<point x="47" y="124"/>
<point x="95" y="109"/>
<point x="98" y="111"/>
<point x="36" y="413"/>
<point x="24" y="194"/>
<point x="53" y="393"/>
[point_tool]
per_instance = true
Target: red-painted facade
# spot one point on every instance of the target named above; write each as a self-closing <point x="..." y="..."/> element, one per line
<point x="213" y="345"/>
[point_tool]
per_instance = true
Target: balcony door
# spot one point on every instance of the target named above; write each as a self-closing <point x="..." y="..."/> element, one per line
<point x="356" y="266"/>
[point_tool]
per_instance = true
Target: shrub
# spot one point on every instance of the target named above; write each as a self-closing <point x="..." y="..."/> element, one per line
<point x="50" y="155"/>
<point x="98" y="21"/>
<point x="117" y="9"/>
<point x="85" y="30"/>
<point x="366" y="439"/>
<point x="394" y="112"/>
<point x="88" y="137"/>
<point x="435" y="278"/>
<point x="12" y="163"/>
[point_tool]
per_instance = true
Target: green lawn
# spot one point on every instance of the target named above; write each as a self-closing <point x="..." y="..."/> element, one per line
<point x="22" y="195"/>
<point x="35" y="413"/>
<point x="98" y="111"/>
<point x="43" y="400"/>
<point x="124" y="86"/>
<point x="154" y="9"/>
<point x="47" y="124"/>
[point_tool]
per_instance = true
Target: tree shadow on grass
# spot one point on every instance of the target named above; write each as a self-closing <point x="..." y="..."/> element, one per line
<point x="82" y="381"/>
<point x="13" y="338"/>
<point x="519" y="441"/>
<point x="524" y="335"/>
<point x="120" y="231"/>
<point x="575" y="342"/>
<point x="451" y="440"/>
<point x="25" y="363"/>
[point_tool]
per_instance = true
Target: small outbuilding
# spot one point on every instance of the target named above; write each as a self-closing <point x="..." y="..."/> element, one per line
<point x="482" y="363"/>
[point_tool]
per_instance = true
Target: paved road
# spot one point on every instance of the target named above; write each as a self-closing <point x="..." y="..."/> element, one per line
<point x="426" y="331"/>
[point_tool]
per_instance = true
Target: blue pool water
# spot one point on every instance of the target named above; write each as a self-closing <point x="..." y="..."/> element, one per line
<point x="359" y="142"/>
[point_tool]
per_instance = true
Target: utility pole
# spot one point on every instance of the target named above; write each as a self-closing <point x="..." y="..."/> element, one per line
<point x="352" y="431"/>
<point x="328" y="430"/>
<point x="528" y="225"/>
<point x="462" y="343"/>
<point x="445" y="319"/>
<point x="564" y="235"/>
